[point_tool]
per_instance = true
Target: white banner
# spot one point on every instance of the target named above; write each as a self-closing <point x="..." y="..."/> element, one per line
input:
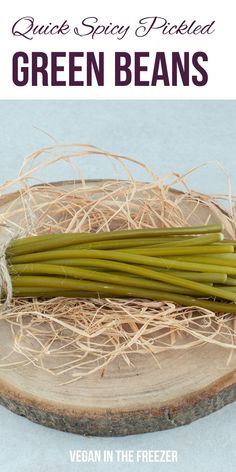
<point x="123" y="50"/>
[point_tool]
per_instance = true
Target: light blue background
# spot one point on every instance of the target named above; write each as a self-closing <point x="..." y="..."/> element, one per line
<point x="168" y="136"/>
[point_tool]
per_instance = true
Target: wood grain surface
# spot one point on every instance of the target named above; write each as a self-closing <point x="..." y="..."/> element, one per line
<point x="188" y="385"/>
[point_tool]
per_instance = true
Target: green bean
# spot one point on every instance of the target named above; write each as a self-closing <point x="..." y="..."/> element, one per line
<point x="158" y="241"/>
<point x="230" y="241"/>
<point x="231" y="288"/>
<point x="62" y="283"/>
<point x="98" y="264"/>
<point x="197" y="241"/>
<point x="98" y="276"/>
<point x="231" y="257"/>
<point x="30" y="292"/>
<point x="157" y="252"/>
<point x="29" y="245"/>
<point x="123" y="257"/>
<point x="126" y="243"/>
<point x="183" y="265"/>
<point x="229" y="281"/>
<point x="209" y="260"/>
<point x="85" y="274"/>
<point x="209" y="277"/>
<point x="183" y="251"/>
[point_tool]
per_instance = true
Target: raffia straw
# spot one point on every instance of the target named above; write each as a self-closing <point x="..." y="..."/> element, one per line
<point x="74" y="338"/>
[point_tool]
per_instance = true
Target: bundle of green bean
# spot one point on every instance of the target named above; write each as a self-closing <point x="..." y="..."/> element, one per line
<point x="191" y="266"/>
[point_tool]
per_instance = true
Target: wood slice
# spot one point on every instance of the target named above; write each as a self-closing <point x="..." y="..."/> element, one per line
<point x="127" y="400"/>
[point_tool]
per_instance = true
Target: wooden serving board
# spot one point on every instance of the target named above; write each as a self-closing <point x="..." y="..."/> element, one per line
<point x="190" y="384"/>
